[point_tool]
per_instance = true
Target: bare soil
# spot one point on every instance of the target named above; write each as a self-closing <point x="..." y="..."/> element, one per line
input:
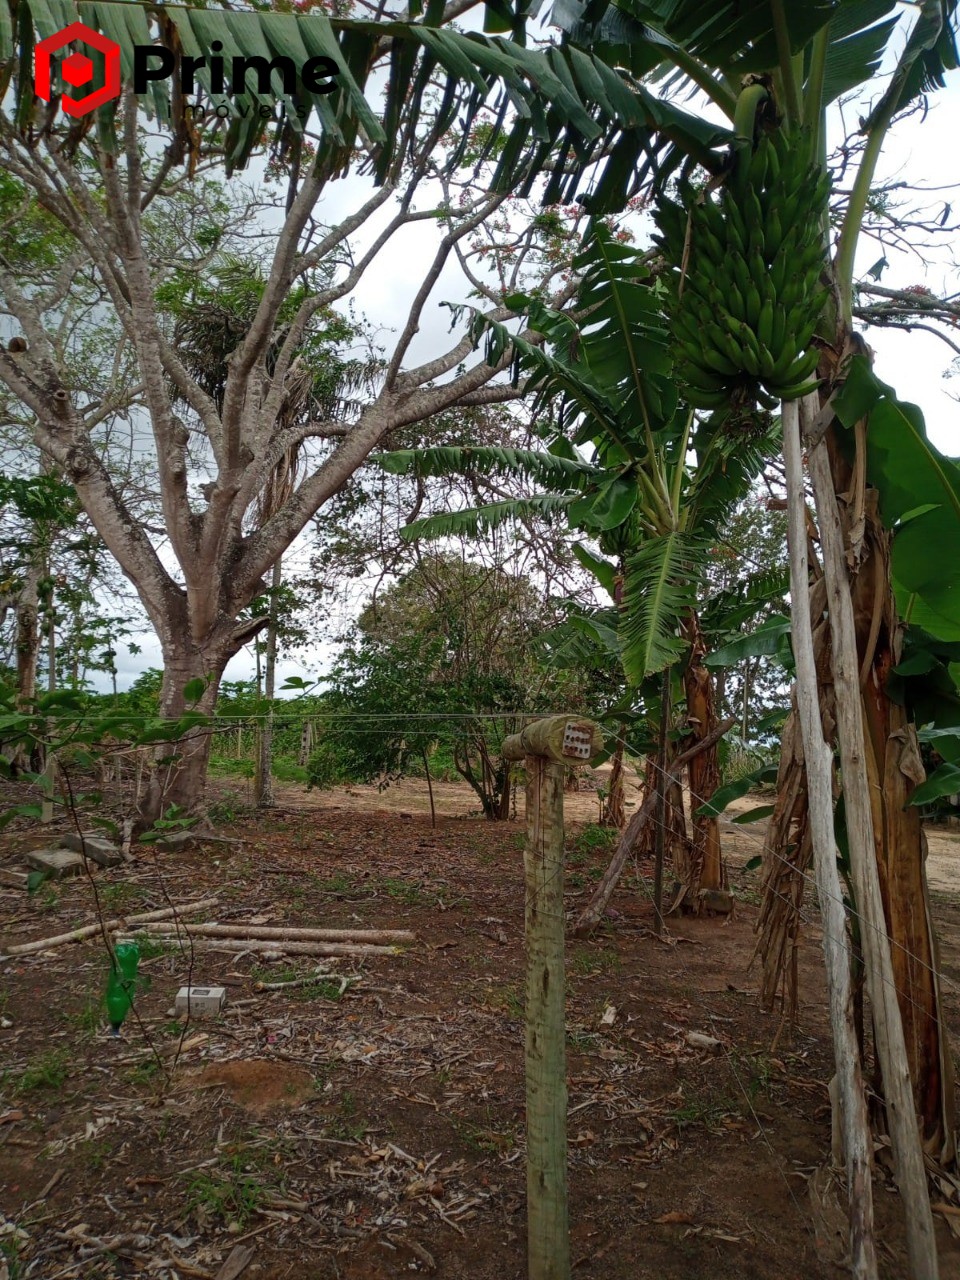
<point x="380" y="1133"/>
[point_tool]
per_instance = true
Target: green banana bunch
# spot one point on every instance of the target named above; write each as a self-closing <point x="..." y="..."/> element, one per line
<point x="748" y="301"/>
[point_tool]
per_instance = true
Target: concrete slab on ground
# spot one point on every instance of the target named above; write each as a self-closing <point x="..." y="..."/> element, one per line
<point x="58" y="862"/>
<point x="101" y="851"/>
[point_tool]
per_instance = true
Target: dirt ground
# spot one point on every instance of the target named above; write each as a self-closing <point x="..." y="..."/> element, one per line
<point x="374" y="1128"/>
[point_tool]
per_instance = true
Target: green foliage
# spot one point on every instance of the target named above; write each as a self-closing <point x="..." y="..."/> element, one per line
<point x="594" y="838"/>
<point x="332" y="761"/>
<point x="436" y="668"/>
<point x="731" y="791"/>
<point x="48" y="1070"/>
<point x="230" y="1195"/>
<point x="81" y="729"/>
<point x="610" y="382"/>
<point x="31" y="235"/>
<point x="770" y="640"/>
<point x="738" y="760"/>
<point x="213" y="311"/>
<point x="567" y="101"/>
<point x="919" y="497"/>
<point x="661" y="578"/>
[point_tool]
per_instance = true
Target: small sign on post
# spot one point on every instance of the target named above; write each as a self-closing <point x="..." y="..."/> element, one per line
<point x="547" y="747"/>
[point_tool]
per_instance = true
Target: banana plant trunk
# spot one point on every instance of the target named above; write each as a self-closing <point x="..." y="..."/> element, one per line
<point x="612" y="814"/>
<point x="707" y="870"/>
<point x="895" y="770"/>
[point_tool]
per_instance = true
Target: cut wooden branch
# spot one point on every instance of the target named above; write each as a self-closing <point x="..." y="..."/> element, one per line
<point x="383" y="937"/>
<point x="317" y="975"/>
<point x="284" y="948"/>
<point x="88" y="930"/>
<point x="819" y="769"/>
<point x="592" y="913"/>
<point x="881" y="985"/>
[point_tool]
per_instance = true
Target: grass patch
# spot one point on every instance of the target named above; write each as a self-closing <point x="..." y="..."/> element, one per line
<point x="287" y="770"/>
<point x="151" y="947"/>
<point x="320" y="988"/>
<point x="403" y="891"/>
<point x="594" y="838"/>
<point x="230" y="1195"/>
<point x="338" y="883"/>
<point x="504" y="999"/>
<point x="47" y="898"/>
<point x="95" y="1154"/>
<point x="115" y="898"/>
<point x="145" y="1072"/>
<point x="228" y="808"/>
<point x="221" y="767"/>
<point x="583" y="1041"/>
<point x="586" y="962"/>
<point x="700" y="1110"/>
<point x="487" y="1141"/>
<point x="87" y="1020"/>
<point x="48" y="1071"/>
<point x="348" y="1124"/>
<point x="10" y="1254"/>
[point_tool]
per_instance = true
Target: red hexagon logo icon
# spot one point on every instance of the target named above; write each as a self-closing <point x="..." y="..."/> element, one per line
<point x="77" y="69"/>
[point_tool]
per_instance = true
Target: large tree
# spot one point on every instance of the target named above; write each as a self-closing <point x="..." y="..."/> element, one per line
<point x="114" y="194"/>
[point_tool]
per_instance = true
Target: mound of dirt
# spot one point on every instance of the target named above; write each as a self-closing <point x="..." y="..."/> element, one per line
<point x="259" y="1086"/>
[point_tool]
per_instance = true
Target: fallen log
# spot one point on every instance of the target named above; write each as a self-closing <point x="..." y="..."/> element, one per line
<point x="305" y="980"/>
<point x="593" y="911"/>
<point x="284" y="948"/>
<point x="255" y="931"/>
<point x="88" y="930"/>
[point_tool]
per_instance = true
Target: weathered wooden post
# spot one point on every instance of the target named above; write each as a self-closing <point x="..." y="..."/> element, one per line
<point x="547" y="747"/>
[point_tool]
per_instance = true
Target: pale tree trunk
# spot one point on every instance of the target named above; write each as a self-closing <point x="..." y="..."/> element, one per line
<point x="819" y="774"/>
<point x="28" y="637"/>
<point x="748" y="670"/>
<point x="49" y="764"/>
<point x="28" y="648"/>
<point x="707" y="869"/>
<point x="263" y="789"/>
<point x="894" y="770"/>
<point x="179" y="769"/>
<point x="845" y="664"/>
<point x="306" y="743"/>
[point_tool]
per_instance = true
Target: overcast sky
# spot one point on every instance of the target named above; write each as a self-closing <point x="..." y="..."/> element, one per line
<point x="921" y="153"/>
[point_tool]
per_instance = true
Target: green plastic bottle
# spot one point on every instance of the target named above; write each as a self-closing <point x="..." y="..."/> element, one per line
<point x="121" y="983"/>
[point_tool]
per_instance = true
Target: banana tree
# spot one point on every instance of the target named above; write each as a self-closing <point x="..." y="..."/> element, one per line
<point x="774" y="70"/>
<point x="653" y="494"/>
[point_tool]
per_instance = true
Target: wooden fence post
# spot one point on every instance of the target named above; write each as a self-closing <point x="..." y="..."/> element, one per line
<point x="547" y="747"/>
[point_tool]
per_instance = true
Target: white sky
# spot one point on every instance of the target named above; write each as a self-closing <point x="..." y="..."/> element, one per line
<point x="923" y="153"/>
